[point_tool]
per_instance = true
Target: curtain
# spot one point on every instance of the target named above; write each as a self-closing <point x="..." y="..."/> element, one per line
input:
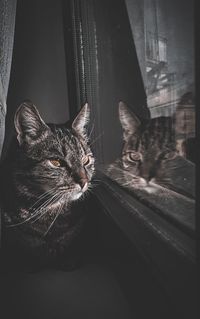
<point x="7" y="26"/>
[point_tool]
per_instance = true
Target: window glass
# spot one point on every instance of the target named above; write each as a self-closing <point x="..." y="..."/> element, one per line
<point x="155" y="158"/>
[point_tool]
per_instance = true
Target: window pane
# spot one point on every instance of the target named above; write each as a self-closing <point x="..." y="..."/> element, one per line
<point x="156" y="160"/>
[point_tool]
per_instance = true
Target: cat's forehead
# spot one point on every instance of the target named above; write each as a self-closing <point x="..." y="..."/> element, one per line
<point x="65" y="143"/>
<point x="69" y="141"/>
<point x="132" y="143"/>
<point x="153" y="137"/>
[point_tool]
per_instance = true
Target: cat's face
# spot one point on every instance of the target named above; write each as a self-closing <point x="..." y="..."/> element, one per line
<point x="147" y="149"/>
<point x="53" y="158"/>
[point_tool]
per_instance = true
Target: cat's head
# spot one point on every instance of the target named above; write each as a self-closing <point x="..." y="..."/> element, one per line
<point x="148" y="148"/>
<point x="53" y="158"/>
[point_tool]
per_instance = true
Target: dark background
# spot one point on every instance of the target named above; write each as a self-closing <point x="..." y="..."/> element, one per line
<point x="38" y="68"/>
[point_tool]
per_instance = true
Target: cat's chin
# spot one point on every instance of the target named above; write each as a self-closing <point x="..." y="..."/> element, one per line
<point x="140" y="183"/>
<point x="77" y="196"/>
<point x="79" y="192"/>
<point x="151" y="186"/>
<point x="151" y="189"/>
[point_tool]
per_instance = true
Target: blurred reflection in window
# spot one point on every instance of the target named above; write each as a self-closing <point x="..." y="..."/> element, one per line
<point x="156" y="161"/>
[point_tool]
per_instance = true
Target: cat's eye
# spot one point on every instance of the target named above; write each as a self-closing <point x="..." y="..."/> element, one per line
<point x="133" y="156"/>
<point x="86" y="160"/>
<point x="55" y="162"/>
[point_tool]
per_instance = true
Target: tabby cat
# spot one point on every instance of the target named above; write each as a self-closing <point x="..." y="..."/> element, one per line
<point x="147" y="149"/>
<point x="47" y="168"/>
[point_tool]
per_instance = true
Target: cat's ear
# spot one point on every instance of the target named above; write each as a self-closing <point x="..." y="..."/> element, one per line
<point x="129" y="121"/>
<point x="80" y="122"/>
<point x="28" y="123"/>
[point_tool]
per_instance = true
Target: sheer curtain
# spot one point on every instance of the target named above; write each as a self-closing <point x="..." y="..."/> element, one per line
<point x="7" y="26"/>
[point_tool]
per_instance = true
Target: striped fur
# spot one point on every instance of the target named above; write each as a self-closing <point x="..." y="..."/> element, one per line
<point x="36" y="195"/>
<point x="147" y="148"/>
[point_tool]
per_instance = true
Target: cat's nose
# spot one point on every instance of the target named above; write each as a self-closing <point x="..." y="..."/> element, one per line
<point x="84" y="184"/>
<point x="147" y="174"/>
<point x="146" y="177"/>
<point x="82" y="180"/>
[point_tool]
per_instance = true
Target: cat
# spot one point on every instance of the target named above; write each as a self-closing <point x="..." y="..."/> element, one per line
<point x="149" y="153"/>
<point x="47" y="168"/>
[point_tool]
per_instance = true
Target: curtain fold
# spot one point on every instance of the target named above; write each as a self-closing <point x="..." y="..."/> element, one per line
<point x="7" y="27"/>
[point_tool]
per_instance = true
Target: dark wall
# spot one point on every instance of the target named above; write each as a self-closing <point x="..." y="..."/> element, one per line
<point x="38" y="66"/>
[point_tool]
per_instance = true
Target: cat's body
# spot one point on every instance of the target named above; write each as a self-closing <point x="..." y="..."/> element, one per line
<point x="45" y="171"/>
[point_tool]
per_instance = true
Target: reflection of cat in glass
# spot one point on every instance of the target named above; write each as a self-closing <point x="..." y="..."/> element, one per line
<point x="47" y="168"/>
<point x="149" y="152"/>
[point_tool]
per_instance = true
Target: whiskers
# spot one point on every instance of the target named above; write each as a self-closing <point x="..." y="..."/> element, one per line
<point x="39" y="208"/>
<point x="54" y="220"/>
<point x="159" y="187"/>
<point x="91" y="131"/>
<point x="97" y="138"/>
<point x="125" y="178"/>
<point x="42" y="211"/>
<point x="95" y="182"/>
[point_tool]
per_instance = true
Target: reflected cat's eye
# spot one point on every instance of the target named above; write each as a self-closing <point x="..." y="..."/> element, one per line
<point x="55" y="162"/>
<point x="133" y="156"/>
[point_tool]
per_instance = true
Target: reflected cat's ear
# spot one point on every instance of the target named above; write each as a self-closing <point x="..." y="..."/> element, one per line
<point x="80" y="122"/>
<point x="28" y="123"/>
<point x="129" y="121"/>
